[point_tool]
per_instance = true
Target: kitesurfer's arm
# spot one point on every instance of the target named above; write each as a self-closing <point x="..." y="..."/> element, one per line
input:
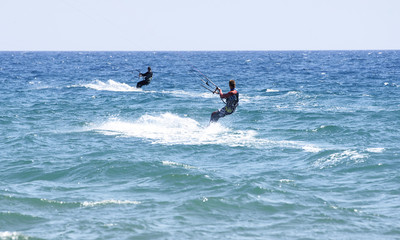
<point x="226" y="95"/>
<point x="143" y="74"/>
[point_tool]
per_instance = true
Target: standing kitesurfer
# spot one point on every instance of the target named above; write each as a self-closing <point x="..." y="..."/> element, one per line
<point x="232" y="101"/>
<point x="147" y="78"/>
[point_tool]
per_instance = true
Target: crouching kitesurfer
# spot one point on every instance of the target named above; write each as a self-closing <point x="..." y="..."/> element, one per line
<point x="147" y="78"/>
<point x="232" y="101"/>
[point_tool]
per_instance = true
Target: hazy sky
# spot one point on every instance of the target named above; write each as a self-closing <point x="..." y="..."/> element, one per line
<point x="199" y="24"/>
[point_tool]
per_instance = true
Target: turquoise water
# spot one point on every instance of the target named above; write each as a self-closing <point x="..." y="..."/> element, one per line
<point x="312" y="151"/>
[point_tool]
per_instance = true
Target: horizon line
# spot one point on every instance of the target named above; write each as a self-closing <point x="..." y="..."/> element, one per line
<point x="283" y="50"/>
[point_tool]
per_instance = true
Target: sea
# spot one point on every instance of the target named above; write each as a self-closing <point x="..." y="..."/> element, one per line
<point x="311" y="152"/>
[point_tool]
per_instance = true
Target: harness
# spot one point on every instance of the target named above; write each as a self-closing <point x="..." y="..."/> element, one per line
<point x="232" y="102"/>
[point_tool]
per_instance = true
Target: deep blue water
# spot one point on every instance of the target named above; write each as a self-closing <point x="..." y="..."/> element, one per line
<point x="312" y="151"/>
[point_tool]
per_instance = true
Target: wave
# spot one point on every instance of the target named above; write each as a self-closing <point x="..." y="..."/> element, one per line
<point x="171" y="163"/>
<point x="375" y="150"/>
<point x="328" y="128"/>
<point x="13" y="235"/>
<point x="183" y="93"/>
<point x="391" y="84"/>
<point x="271" y="90"/>
<point x="107" y="202"/>
<point x="271" y="94"/>
<point x="110" y="85"/>
<point x="39" y="85"/>
<point x="338" y="158"/>
<point x="171" y="129"/>
<point x="58" y="204"/>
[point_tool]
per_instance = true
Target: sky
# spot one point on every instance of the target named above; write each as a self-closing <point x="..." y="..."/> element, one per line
<point x="199" y="25"/>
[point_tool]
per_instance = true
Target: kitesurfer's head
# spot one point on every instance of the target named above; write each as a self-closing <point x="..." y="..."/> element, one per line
<point x="149" y="69"/>
<point x="232" y="84"/>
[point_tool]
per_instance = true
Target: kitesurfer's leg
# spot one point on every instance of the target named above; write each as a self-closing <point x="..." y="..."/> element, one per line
<point x="141" y="83"/>
<point x="218" y="114"/>
<point x="214" y="116"/>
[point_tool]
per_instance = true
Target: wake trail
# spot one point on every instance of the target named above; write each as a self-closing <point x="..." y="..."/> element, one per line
<point x="171" y="129"/>
<point x="111" y="85"/>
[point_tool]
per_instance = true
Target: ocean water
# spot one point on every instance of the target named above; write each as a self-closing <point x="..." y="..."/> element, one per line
<point x="312" y="151"/>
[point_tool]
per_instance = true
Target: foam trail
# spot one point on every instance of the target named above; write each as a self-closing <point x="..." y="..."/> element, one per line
<point x="182" y="93"/>
<point x="170" y="129"/>
<point x="111" y="85"/>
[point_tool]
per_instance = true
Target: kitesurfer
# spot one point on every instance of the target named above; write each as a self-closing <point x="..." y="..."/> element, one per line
<point x="147" y="78"/>
<point x="232" y="101"/>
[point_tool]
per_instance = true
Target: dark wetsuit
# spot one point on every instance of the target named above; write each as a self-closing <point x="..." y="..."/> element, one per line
<point x="232" y="101"/>
<point x="147" y="78"/>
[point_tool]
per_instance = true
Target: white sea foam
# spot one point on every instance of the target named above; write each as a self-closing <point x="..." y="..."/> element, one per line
<point x="311" y="148"/>
<point x="335" y="159"/>
<point x="286" y="180"/>
<point x="111" y="85"/>
<point x="182" y="93"/>
<point x="171" y="129"/>
<point x="12" y="235"/>
<point x="272" y="90"/>
<point x="391" y="84"/>
<point x="34" y="82"/>
<point x="375" y="150"/>
<point x="38" y="85"/>
<point x="106" y="202"/>
<point x="170" y="163"/>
